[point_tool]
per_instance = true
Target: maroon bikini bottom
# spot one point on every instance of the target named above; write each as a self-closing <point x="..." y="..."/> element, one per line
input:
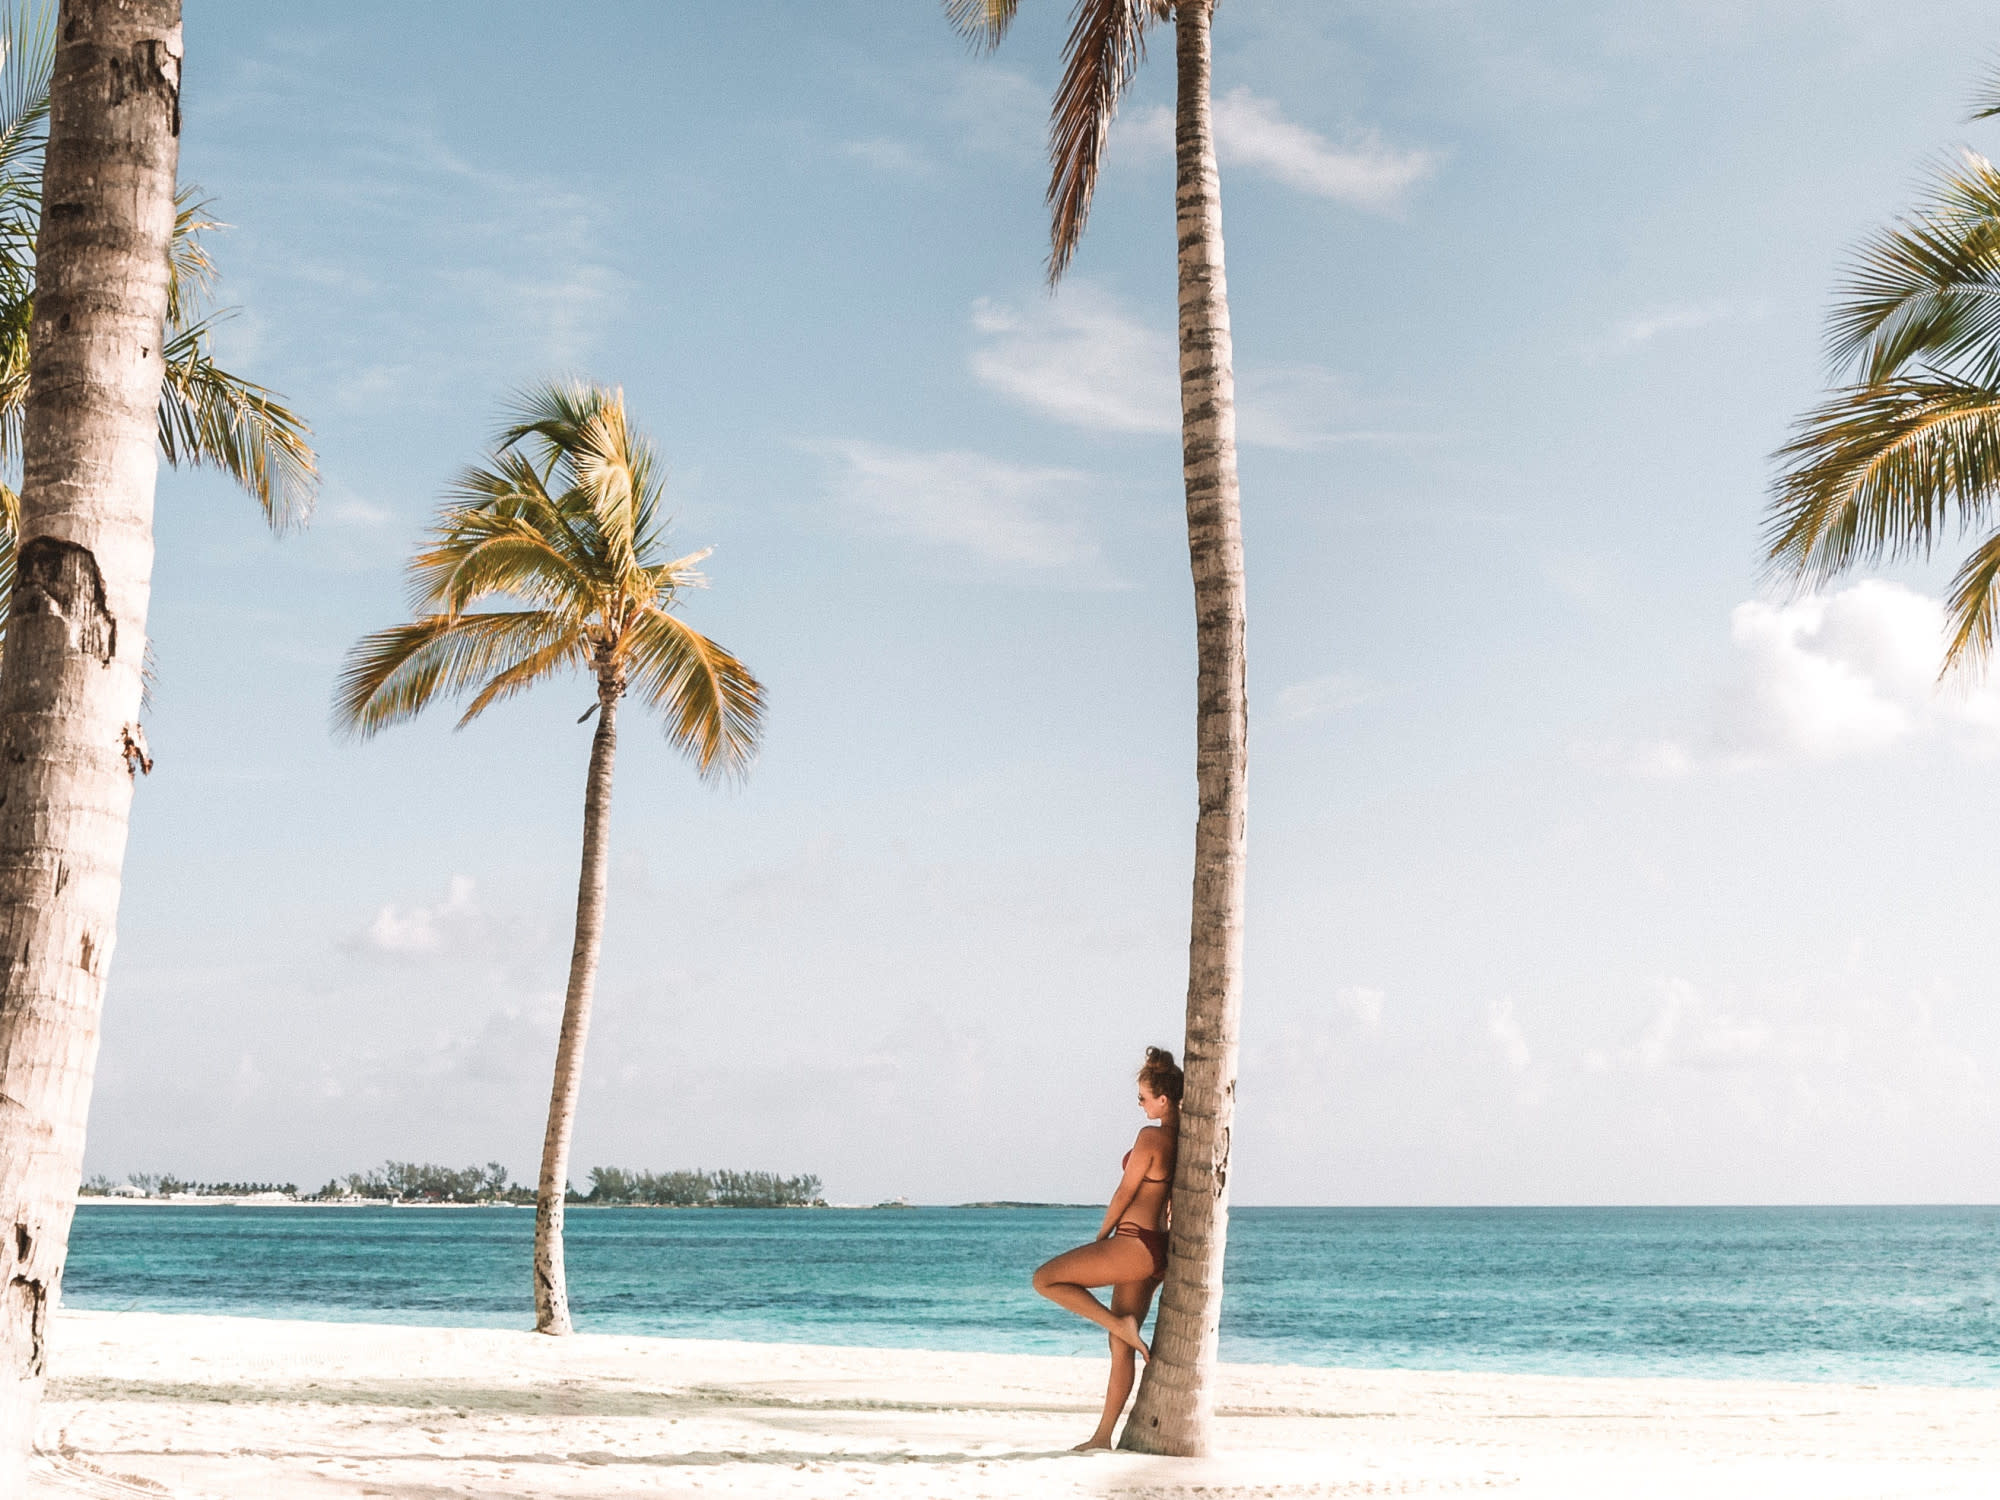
<point x="1155" y="1241"/>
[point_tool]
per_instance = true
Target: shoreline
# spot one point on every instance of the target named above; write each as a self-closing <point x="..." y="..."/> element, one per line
<point x="376" y="1317"/>
<point x="270" y="1409"/>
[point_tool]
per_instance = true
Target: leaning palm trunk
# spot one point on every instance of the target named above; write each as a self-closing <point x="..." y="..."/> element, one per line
<point x="76" y="635"/>
<point x="1175" y="1408"/>
<point x="551" y="1282"/>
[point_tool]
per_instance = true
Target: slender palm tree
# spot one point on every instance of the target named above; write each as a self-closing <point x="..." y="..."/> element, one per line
<point x="563" y="527"/>
<point x="1907" y="447"/>
<point x="70" y="678"/>
<point x="1174" y="1410"/>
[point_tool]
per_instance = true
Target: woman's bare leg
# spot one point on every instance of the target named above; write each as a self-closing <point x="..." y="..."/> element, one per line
<point x="1066" y="1281"/>
<point x="1133" y="1298"/>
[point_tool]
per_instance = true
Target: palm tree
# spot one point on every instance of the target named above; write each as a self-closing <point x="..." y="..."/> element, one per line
<point x="1910" y="443"/>
<point x="70" y="678"/>
<point x="1175" y="1406"/>
<point x="206" y="416"/>
<point x="563" y="524"/>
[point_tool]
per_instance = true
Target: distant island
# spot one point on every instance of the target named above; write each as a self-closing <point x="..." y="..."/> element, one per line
<point x="405" y="1182"/>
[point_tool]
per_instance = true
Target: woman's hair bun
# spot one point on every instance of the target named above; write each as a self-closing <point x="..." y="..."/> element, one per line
<point x="1161" y="1074"/>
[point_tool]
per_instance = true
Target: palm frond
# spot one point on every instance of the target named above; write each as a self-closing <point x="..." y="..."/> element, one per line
<point x="1107" y="42"/>
<point x="713" y="707"/>
<point x="983" y="23"/>
<point x="27" y="62"/>
<point x="395" y="674"/>
<point x="1970" y="610"/>
<point x="209" y="417"/>
<point x="1875" y="471"/>
<point x="567" y="651"/>
<point x="1986" y="97"/>
<point x="190" y="270"/>
<point x="16" y="314"/>
<point x="1927" y="290"/>
<point x="475" y="555"/>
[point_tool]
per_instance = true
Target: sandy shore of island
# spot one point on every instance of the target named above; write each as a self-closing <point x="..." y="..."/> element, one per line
<point x="157" y="1405"/>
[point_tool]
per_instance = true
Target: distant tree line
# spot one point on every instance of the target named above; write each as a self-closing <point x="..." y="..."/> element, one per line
<point x="166" y="1185"/>
<point x="428" y="1182"/>
<point x="697" y="1189"/>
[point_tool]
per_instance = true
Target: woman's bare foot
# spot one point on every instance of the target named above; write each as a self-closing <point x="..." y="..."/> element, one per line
<point x="1126" y="1331"/>
<point x="1093" y="1445"/>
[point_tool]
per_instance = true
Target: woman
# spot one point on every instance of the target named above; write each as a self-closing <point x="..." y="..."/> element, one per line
<point x="1129" y="1254"/>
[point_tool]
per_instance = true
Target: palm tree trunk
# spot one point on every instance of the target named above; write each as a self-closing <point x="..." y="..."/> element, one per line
<point x="76" y="633"/>
<point x="551" y="1284"/>
<point x="1174" y="1412"/>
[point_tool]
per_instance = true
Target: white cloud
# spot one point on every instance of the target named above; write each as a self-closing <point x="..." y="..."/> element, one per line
<point x="1321" y="696"/>
<point x="1680" y="317"/>
<point x="1006" y="515"/>
<point x="422" y="929"/>
<point x="1079" y="357"/>
<point x="1689" y="1030"/>
<point x="1364" y="171"/>
<point x="1799" y="1049"/>
<point x="1083" y="358"/>
<point x="1831" y="676"/>
<point x="1362" y="1004"/>
<point x="1504" y="1031"/>
<point x="888" y="155"/>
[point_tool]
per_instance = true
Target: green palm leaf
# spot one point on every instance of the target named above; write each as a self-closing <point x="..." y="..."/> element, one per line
<point x="712" y="706"/>
<point x="1876" y="471"/>
<point x="211" y="418"/>
<point x="1887" y="467"/>
<point x="397" y="673"/>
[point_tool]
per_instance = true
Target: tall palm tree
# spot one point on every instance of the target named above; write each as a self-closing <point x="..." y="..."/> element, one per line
<point x="563" y="527"/>
<point x="1174" y="1410"/>
<point x="1908" y="447"/>
<point x="71" y="674"/>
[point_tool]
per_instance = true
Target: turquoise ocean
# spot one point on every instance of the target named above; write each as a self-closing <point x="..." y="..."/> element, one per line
<point x="1901" y="1295"/>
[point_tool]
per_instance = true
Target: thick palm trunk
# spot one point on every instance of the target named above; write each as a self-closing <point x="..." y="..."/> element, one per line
<point x="1175" y="1408"/>
<point x="551" y="1284"/>
<point x="76" y="633"/>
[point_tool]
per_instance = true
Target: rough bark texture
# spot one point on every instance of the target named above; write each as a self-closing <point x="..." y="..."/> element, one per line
<point x="1174" y="1412"/>
<point x="551" y="1284"/>
<point x="70" y="676"/>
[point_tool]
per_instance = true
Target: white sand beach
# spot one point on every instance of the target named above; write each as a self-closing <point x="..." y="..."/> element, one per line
<point x="157" y="1405"/>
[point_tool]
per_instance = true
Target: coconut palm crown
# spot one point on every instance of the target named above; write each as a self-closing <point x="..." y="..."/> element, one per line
<point x="565" y="524"/>
<point x="1107" y="42"/>
<point x="548" y="560"/>
<point x="1907" y="450"/>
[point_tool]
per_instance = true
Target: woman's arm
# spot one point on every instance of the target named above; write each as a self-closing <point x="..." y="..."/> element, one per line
<point x="1128" y="1186"/>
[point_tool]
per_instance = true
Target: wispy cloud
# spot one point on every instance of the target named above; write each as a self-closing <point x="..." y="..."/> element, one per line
<point x="1083" y="358"/>
<point x="1320" y="696"/>
<point x="1654" y="323"/>
<point x="1361" y="1005"/>
<point x="1361" y="170"/>
<point x="885" y="154"/>
<point x="1014" y="518"/>
<point x="1503" y="1030"/>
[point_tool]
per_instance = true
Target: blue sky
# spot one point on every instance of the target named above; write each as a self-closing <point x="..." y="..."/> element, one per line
<point x="1583" y="870"/>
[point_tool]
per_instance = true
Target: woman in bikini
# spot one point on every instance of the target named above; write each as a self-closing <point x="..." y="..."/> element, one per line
<point x="1129" y="1254"/>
